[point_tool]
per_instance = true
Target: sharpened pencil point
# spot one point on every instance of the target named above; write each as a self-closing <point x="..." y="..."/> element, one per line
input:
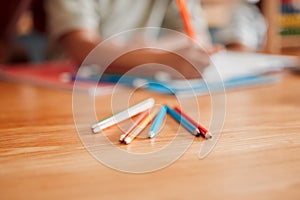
<point x="127" y="140"/>
<point x="97" y="129"/>
<point x="197" y="133"/>
<point x="94" y="126"/>
<point x="122" y="137"/>
<point x="208" y="135"/>
<point x="151" y="134"/>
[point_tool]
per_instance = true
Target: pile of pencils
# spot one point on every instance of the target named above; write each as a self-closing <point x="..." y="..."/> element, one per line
<point x="146" y="112"/>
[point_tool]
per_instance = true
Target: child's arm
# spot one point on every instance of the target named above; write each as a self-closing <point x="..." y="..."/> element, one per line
<point x="80" y="43"/>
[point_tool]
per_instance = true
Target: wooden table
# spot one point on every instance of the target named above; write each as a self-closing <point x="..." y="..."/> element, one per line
<point x="257" y="156"/>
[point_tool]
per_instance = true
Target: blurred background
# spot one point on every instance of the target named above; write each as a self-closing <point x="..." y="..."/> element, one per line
<point x="24" y="37"/>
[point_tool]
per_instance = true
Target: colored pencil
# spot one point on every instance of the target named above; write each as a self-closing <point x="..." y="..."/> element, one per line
<point x="203" y="130"/>
<point x="184" y="122"/>
<point x="186" y="18"/>
<point x="123" y="115"/>
<point x="157" y="122"/>
<point x="141" y="126"/>
<point x="135" y="123"/>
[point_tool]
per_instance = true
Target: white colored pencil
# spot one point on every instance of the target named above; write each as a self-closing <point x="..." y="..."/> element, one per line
<point x="123" y="115"/>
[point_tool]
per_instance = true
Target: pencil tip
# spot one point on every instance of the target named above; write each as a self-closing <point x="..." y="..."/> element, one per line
<point x="122" y="137"/>
<point x="197" y="133"/>
<point x="97" y="129"/>
<point x="94" y="126"/>
<point x="151" y="135"/>
<point x="208" y="135"/>
<point x="127" y="140"/>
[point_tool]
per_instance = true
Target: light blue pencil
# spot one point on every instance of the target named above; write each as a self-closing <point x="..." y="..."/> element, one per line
<point x="157" y="122"/>
<point x="183" y="121"/>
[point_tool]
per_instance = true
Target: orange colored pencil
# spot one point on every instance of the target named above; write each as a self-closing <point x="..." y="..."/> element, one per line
<point x="135" y="123"/>
<point x="141" y="126"/>
<point x="186" y="18"/>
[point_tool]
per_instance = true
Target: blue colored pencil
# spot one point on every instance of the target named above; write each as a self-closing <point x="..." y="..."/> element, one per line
<point x="157" y="122"/>
<point x="184" y="122"/>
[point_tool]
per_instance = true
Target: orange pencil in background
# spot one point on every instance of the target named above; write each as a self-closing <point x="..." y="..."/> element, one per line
<point x="190" y="31"/>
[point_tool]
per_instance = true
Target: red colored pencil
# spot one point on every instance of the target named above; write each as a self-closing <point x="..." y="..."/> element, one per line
<point x="186" y="18"/>
<point x="203" y="130"/>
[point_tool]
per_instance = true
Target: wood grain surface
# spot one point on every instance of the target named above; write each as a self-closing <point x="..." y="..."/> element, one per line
<point x="257" y="156"/>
